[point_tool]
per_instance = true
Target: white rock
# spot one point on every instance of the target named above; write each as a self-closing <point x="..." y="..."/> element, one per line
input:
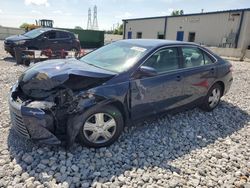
<point x="17" y="170"/>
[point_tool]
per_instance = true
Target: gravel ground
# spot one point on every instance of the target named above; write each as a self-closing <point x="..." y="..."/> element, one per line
<point x="188" y="149"/>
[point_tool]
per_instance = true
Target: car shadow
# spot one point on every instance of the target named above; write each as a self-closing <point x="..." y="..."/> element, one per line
<point x="169" y="137"/>
<point x="9" y="59"/>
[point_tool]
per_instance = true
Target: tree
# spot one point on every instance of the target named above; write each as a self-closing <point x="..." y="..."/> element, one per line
<point x="78" y="27"/>
<point x="177" y="12"/>
<point x="108" y="32"/>
<point x="118" y="30"/>
<point x="24" y="26"/>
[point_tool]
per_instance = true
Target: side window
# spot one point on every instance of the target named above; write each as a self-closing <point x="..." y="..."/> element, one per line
<point x="63" y="35"/>
<point x="51" y="35"/>
<point x="73" y="36"/>
<point x="164" y="60"/>
<point x="194" y="57"/>
<point x="207" y="59"/>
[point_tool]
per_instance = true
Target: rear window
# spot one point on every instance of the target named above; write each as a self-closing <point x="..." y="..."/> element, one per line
<point x="73" y="36"/>
<point x="194" y="57"/>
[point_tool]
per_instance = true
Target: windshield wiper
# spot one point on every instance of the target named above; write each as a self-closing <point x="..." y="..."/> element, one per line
<point x="91" y="64"/>
<point x="99" y="67"/>
<point x="26" y="35"/>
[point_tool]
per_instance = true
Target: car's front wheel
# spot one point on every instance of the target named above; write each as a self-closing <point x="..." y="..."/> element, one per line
<point x="213" y="98"/>
<point x="101" y="127"/>
<point x="12" y="53"/>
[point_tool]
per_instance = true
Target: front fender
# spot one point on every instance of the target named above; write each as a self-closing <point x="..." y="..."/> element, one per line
<point x="75" y="120"/>
<point x="97" y="98"/>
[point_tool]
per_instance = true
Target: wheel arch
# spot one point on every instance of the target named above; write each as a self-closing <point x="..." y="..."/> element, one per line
<point x="74" y="120"/>
<point x="222" y="86"/>
<point x="121" y="108"/>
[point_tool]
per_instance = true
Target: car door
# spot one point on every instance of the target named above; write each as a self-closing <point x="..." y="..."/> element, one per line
<point x="50" y="40"/>
<point x="151" y="95"/>
<point x="199" y="73"/>
<point x="64" y="40"/>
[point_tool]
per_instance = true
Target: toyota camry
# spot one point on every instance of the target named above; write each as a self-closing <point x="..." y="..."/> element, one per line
<point x="93" y="98"/>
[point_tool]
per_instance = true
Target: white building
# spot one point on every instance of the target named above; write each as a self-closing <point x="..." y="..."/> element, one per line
<point x="230" y="28"/>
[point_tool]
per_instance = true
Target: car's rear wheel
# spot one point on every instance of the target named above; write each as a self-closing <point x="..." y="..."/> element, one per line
<point x="213" y="98"/>
<point x="76" y="51"/>
<point x="101" y="127"/>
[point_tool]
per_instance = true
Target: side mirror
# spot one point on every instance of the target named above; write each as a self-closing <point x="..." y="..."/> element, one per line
<point x="145" y="71"/>
<point x="44" y="38"/>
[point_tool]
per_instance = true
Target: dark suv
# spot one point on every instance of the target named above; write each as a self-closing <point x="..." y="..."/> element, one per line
<point x="43" y="38"/>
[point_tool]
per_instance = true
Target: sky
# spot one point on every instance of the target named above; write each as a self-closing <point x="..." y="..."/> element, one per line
<point x="71" y="13"/>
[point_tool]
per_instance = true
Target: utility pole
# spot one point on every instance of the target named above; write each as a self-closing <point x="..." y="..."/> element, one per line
<point x="89" y="25"/>
<point x="95" y="22"/>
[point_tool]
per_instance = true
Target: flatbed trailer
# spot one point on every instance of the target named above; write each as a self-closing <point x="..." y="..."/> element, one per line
<point x="25" y="56"/>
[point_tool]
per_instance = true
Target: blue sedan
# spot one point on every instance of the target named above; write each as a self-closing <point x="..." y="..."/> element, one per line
<point x="94" y="97"/>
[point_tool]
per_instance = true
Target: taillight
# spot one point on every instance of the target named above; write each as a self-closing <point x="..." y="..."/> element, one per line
<point x="78" y="41"/>
<point x="231" y="68"/>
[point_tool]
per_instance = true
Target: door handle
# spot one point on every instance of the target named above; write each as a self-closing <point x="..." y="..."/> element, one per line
<point x="212" y="70"/>
<point x="178" y="78"/>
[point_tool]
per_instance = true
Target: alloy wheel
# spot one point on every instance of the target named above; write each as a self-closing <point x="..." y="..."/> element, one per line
<point x="214" y="98"/>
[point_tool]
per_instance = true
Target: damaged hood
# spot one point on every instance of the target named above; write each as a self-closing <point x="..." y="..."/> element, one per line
<point x="43" y="78"/>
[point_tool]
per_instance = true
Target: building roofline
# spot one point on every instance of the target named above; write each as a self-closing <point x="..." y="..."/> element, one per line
<point x="192" y="14"/>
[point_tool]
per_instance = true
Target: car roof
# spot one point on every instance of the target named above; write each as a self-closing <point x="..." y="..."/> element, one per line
<point x="43" y="28"/>
<point x="149" y="43"/>
<point x="52" y="29"/>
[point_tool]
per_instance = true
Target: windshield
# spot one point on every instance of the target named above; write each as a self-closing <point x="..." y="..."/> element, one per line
<point x="115" y="57"/>
<point x="34" y="33"/>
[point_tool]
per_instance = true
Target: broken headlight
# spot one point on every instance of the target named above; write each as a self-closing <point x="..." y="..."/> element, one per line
<point x="41" y="104"/>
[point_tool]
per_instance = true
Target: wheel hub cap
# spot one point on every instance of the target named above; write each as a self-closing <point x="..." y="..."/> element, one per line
<point x="214" y="98"/>
<point x="99" y="128"/>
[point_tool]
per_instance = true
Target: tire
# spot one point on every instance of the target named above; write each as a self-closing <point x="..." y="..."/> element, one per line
<point x="212" y="98"/>
<point x="106" y="136"/>
<point x="13" y="54"/>
<point x="76" y="51"/>
<point x="27" y="62"/>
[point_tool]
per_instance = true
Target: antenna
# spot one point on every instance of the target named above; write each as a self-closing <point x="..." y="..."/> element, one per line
<point x="89" y="26"/>
<point x="95" y="23"/>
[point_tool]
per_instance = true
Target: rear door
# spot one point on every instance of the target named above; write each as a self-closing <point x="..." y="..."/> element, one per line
<point x="199" y="72"/>
<point x="151" y="95"/>
<point x="64" y="40"/>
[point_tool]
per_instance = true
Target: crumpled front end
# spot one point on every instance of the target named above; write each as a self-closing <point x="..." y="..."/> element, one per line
<point x="32" y="119"/>
<point x="44" y="115"/>
<point x="51" y="93"/>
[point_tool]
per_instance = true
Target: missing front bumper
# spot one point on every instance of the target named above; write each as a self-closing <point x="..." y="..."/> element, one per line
<point x="32" y="123"/>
